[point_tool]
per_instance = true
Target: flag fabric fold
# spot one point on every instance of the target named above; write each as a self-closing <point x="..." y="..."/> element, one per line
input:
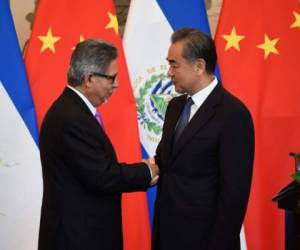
<point x="20" y="171"/>
<point x="58" y="26"/>
<point x="258" y="50"/>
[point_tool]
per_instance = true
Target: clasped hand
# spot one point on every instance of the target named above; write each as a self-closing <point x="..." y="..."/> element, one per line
<point x="154" y="170"/>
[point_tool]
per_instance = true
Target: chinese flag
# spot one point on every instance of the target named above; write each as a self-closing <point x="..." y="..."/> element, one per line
<point x="258" y="45"/>
<point x="59" y="25"/>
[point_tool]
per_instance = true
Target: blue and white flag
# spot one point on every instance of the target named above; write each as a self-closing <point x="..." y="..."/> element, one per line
<point x="20" y="168"/>
<point x="148" y="30"/>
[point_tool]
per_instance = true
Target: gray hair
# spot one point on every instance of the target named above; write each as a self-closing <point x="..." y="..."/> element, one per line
<point x="198" y="45"/>
<point x="89" y="56"/>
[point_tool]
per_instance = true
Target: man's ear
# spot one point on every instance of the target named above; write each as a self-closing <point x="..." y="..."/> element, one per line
<point x="87" y="80"/>
<point x="200" y="66"/>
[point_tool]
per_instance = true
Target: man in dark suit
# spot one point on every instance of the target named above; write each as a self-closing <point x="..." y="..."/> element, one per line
<point x="206" y="163"/>
<point x="83" y="180"/>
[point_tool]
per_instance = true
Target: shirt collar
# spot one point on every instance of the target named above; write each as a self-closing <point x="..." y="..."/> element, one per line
<point x="202" y="94"/>
<point x="85" y="100"/>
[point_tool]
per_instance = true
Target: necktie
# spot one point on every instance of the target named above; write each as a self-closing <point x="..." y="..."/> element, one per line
<point x="98" y="118"/>
<point x="183" y="119"/>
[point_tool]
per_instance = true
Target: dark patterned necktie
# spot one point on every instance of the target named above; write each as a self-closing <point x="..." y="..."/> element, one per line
<point x="183" y="119"/>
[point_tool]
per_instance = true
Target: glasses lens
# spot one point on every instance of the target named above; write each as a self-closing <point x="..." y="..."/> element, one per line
<point x="109" y="77"/>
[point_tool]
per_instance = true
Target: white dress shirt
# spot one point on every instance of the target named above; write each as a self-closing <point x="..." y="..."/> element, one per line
<point x="201" y="96"/>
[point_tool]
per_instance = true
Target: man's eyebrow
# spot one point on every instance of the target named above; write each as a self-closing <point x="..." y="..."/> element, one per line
<point x="170" y="60"/>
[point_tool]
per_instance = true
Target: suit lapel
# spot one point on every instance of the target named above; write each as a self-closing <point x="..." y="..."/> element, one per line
<point x="170" y="124"/>
<point x="200" y="119"/>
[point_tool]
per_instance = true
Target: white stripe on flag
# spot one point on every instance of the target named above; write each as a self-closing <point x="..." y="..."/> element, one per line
<point x="146" y="41"/>
<point x="243" y="239"/>
<point x="20" y="178"/>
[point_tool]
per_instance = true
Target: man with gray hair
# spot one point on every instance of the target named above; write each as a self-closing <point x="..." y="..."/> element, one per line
<point x="83" y="180"/>
<point x="205" y="155"/>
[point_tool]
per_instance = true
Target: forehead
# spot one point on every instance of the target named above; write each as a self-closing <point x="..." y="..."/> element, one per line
<point x="175" y="51"/>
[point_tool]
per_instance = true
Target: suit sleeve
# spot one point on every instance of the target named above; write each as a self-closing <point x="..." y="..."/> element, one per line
<point x="95" y="167"/>
<point x="236" y="153"/>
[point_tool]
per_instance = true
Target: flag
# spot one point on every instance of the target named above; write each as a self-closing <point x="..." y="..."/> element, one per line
<point x="148" y="30"/>
<point x="58" y="26"/>
<point x="20" y="171"/>
<point x="258" y="49"/>
<point x="147" y="34"/>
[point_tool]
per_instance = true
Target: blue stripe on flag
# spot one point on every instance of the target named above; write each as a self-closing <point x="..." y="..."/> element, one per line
<point x="12" y="70"/>
<point x="190" y="13"/>
<point x="151" y="192"/>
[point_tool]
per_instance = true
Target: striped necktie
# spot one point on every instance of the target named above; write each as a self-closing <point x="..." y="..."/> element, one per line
<point x="183" y="119"/>
<point x="98" y="118"/>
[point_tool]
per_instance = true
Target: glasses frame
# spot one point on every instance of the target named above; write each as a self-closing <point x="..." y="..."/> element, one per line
<point x="108" y="77"/>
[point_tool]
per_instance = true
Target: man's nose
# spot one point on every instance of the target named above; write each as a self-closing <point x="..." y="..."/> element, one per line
<point x="116" y="83"/>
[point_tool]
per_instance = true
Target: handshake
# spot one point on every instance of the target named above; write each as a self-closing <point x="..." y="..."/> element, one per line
<point x="153" y="167"/>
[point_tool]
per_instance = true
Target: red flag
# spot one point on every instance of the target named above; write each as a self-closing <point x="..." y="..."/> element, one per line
<point x="58" y="26"/>
<point x="259" y="58"/>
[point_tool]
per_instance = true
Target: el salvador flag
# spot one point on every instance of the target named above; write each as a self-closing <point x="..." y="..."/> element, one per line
<point x="148" y="30"/>
<point x="20" y="171"/>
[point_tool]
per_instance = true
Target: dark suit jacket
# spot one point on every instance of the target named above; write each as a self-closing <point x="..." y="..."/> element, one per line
<point x="83" y="181"/>
<point x="205" y="178"/>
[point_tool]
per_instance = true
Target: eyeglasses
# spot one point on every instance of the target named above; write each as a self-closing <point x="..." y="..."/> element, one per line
<point x="108" y="77"/>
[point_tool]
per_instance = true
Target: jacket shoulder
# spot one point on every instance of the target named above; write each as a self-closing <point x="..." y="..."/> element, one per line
<point x="234" y="102"/>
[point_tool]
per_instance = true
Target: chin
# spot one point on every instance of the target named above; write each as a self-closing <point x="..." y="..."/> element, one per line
<point x="179" y="91"/>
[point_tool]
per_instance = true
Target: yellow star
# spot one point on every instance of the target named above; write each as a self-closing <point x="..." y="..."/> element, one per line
<point x="81" y="39"/>
<point x="48" y="41"/>
<point x="233" y="40"/>
<point x="296" y="24"/>
<point x="113" y="23"/>
<point x="269" y="46"/>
